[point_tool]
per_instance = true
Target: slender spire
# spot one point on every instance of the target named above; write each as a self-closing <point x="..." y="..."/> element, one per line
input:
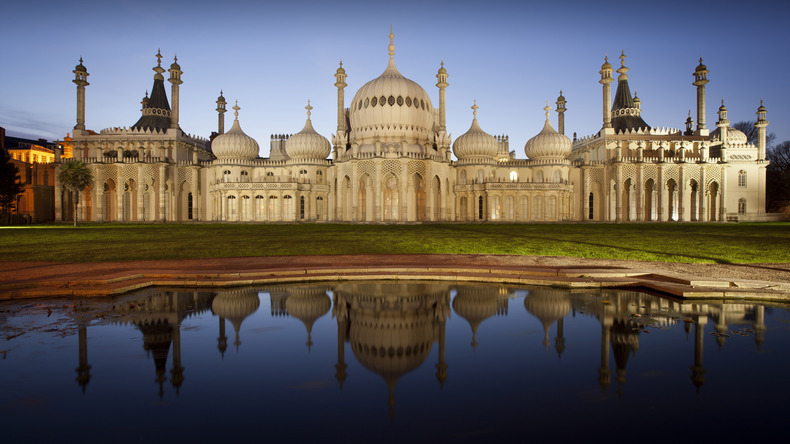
<point x="474" y="109"/>
<point x="308" y="108"/>
<point x="159" y="57"/>
<point x="391" y="46"/>
<point x="548" y="110"/>
<point x="236" y="110"/>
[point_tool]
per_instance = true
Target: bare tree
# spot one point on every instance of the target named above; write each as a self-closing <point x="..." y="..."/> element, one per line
<point x="747" y="127"/>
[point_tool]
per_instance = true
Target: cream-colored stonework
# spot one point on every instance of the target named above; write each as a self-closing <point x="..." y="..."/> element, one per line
<point x="391" y="161"/>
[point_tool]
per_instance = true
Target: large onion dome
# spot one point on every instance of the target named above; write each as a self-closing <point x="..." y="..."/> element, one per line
<point x="548" y="306"/>
<point x="475" y="144"/>
<point x="391" y="108"/>
<point x="307" y="144"/>
<point x="476" y="304"/>
<point x="548" y="144"/>
<point x="308" y="304"/>
<point x="235" y="305"/>
<point x="234" y="144"/>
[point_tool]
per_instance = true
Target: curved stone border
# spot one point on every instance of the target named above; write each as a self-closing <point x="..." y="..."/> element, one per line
<point x="20" y="280"/>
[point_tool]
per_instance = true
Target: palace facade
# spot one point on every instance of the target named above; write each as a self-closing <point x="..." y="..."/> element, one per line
<point x="391" y="160"/>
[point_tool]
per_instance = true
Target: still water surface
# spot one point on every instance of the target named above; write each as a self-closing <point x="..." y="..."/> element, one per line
<point x="391" y="361"/>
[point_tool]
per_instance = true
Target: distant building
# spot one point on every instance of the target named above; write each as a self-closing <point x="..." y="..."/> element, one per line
<point x="391" y="162"/>
<point x="34" y="159"/>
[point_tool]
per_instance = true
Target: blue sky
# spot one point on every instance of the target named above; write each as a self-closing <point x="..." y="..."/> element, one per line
<point x="274" y="56"/>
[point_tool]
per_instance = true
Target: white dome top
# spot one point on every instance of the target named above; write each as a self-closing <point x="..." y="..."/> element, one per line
<point x="391" y="107"/>
<point x="307" y="144"/>
<point x="234" y="144"/>
<point x="548" y="144"/>
<point x="734" y="136"/>
<point x="475" y="144"/>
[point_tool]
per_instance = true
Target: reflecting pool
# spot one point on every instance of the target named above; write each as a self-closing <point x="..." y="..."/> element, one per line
<point x="390" y="361"/>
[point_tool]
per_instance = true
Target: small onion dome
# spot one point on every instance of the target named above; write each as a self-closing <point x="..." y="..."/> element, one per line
<point x="340" y="69"/>
<point x="221" y="98"/>
<point x="548" y="144"/>
<point x="307" y="144"/>
<point x="175" y="64"/>
<point x="722" y="107"/>
<point x="561" y="98"/>
<point x="81" y="67"/>
<point x="606" y="64"/>
<point x="234" y="144"/>
<point x="701" y="67"/>
<point x="442" y="70"/>
<point x="761" y="109"/>
<point x="475" y="143"/>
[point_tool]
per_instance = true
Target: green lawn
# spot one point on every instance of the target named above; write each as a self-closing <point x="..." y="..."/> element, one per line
<point x="691" y="242"/>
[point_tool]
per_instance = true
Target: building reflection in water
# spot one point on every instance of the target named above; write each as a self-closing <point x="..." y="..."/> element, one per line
<point x="391" y="327"/>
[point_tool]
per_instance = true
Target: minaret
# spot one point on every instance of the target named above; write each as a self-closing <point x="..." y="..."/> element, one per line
<point x="222" y="340"/>
<point x="760" y="125"/>
<point x="606" y="80"/>
<point x="442" y="85"/>
<point x="561" y="113"/>
<point x="175" y="80"/>
<point x="84" y="370"/>
<point x="689" y="126"/>
<point x="700" y="80"/>
<point x="340" y="76"/>
<point x="144" y="102"/>
<point x="221" y="104"/>
<point x="723" y="124"/>
<point x="81" y="80"/>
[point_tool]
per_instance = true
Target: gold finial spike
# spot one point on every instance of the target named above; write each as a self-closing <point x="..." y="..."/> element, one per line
<point x="146" y="93"/>
<point x="547" y="109"/>
<point x="722" y="102"/>
<point x="391" y="47"/>
<point x="474" y="109"/>
<point x="236" y="108"/>
<point x="700" y="60"/>
<point x="442" y="63"/>
<point x="341" y="63"/>
<point x="175" y="58"/>
<point x="80" y="59"/>
<point x="158" y="57"/>
<point x="308" y="108"/>
<point x="622" y="57"/>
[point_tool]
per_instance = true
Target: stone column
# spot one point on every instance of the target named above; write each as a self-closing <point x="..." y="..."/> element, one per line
<point x="162" y="215"/>
<point x="660" y="194"/>
<point x="702" y="190"/>
<point x="585" y="194"/>
<point x="618" y="197"/>
<point x="640" y="192"/>
<point x="723" y="194"/>
<point x="681" y="194"/>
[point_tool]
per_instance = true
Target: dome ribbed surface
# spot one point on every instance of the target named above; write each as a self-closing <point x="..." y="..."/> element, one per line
<point x="235" y="144"/>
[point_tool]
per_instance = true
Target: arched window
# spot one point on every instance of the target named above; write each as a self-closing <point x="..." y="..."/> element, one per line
<point x="189" y="206"/>
<point x="226" y="176"/>
<point x="741" y="206"/>
<point x="463" y="177"/>
<point x="319" y="207"/>
<point x="245" y="176"/>
<point x="480" y="208"/>
<point x="480" y="177"/>
<point x="539" y="176"/>
<point x="557" y="176"/>
<point x="592" y="207"/>
<point x="741" y="178"/>
<point x="301" y="207"/>
<point x="319" y="177"/>
<point x="513" y="176"/>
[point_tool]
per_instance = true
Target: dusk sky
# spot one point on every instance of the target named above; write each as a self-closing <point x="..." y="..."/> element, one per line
<point x="274" y="56"/>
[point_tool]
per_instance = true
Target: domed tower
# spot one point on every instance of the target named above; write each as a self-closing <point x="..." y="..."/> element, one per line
<point x="626" y="114"/>
<point x="221" y="109"/>
<point x="235" y="144"/>
<point x="307" y="145"/>
<point x="236" y="306"/>
<point x="391" y="109"/>
<point x="548" y="144"/>
<point x="308" y="304"/>
<point x="476" y="146"/>
<point x="157" y="115"/>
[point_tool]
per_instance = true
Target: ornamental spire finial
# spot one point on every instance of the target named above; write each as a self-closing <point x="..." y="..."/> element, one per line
<point x="158" y="57"/>
<point x="391" y="46"/>
<point x="548" y="110"/>
<point x="474" y="109"/>
<point x="622" y="58"/>
<point x="236" y="110"/>
<point x="308" y="108"/>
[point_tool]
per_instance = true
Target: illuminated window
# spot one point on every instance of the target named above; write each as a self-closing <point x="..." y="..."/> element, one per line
<point x="741" y="178"/>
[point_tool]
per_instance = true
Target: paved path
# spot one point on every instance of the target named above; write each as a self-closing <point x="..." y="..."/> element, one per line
<point x="20" y="280"/>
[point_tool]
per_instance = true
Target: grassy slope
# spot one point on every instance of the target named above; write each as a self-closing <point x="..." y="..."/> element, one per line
<point x="721" y="243"/>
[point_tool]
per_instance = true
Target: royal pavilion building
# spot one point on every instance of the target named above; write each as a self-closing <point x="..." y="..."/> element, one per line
<point x="391" y="160"/>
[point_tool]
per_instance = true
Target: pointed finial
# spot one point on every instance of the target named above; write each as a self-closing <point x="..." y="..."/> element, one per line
<point x="80" y="59"/>
<point x="722" y="102"/>
<point x="391" y="47"/>
<point x="175" y="57"/>
<point x="442" y="63"/>
<point x="341" y="63"/>
<point x="761" y="102"/>
<point x="220" y="92"/>
<point x="547" y="109"/>
<point x="560" y="92"/>
<point x="308" y="108"/>
<point x="236" y="108"/>
<point x="158" y="57"/>
<point x="700" y="60"/>
<point x="474" y="109"/>
<point x="689" y="114"/>
<point x="622" y="57"/>
<point x="146" y="93"/>
<point x="606" y="57"/>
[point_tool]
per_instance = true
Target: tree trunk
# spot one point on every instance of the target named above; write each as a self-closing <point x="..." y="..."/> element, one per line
<point x="76" y="201"/>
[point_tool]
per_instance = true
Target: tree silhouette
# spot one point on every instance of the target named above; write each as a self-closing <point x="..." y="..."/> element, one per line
<point x="10" y="187"/>
<point x="75" y="176"/>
